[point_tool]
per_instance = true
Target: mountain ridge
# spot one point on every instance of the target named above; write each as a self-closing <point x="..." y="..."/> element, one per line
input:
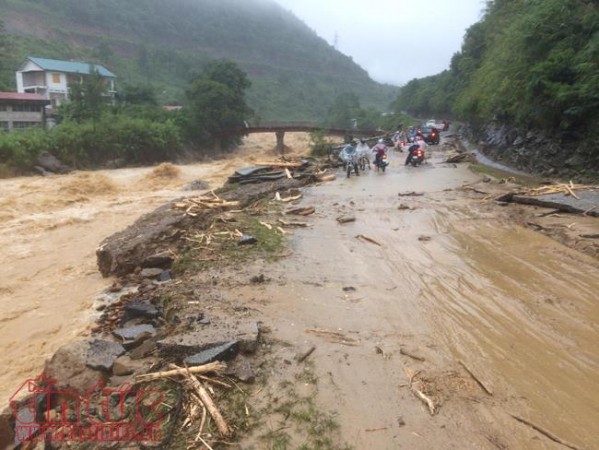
<point x="295" y="73"/>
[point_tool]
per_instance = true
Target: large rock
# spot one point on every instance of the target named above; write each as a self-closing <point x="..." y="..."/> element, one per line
<point x="68" y="367"/>
<point x="7" y="433"/>
<point x="245" y="335"/>
<point x="52" y="164"/>
<point x="159" y="231"/>
<point x="121" y="253"/>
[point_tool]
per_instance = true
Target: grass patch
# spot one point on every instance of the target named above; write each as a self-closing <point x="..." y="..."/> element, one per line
<point x="221" y="245"/>
<point x="525" y="180"/>
<point x="300" y="424"/>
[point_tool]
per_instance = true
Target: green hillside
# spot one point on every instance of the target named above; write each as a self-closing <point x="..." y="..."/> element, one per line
<point x="527" y="63"/>
<point x="295" y="74"/>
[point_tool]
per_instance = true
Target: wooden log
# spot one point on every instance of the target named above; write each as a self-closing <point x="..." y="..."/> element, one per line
<point x="206" y="399"/>
<point x="293" y="224"/>
<point x="346" y="219"/>
<point x="217" y="367"/>
<point x="545" y="433"/>
<point x="411" y="355"/>
<point x="301" y="358"/>
<point x="368" y="239"/>
<point x="305" y="211"/>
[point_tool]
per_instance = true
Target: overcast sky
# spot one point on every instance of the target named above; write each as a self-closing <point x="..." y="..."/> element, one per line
<point x="394" y="40"/>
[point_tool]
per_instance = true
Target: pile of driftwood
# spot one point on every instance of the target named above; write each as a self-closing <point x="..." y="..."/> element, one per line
<point x="456" y="157"/>
<point x="199" y="406"/>
<point x="193" y="205"/>
<point x="561" y="188"/>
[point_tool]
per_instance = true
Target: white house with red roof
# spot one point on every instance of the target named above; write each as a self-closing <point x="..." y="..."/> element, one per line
<point x="19" y="111"/>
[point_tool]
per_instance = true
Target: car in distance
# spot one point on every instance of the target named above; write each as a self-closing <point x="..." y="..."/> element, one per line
<point x="430" y="135"/>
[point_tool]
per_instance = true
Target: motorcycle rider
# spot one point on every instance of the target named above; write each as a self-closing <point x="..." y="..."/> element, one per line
<point x="363" y="150"/>
<point x="380" y="149"/>
<point x="349" y="155"/>
<point x="418" y="145"/>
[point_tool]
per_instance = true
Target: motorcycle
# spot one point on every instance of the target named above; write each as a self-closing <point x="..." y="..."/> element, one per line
<point x="381" y="163"/>
<point x="417" y="158"/>
<point x="363" y="162"/>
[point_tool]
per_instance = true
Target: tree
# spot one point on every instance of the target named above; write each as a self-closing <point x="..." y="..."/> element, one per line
<point x="216" y="103"/>
<point x="86" y="99"/>
<point x="5" y="48"/>
<point x="345" y="108"/>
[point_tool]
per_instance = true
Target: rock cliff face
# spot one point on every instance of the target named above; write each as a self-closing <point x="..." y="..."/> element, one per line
<point x="536" y="152"/>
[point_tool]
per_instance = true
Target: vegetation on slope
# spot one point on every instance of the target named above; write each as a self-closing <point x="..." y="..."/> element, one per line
<point x="530" y="63"/>
<point x="295" y="74"/>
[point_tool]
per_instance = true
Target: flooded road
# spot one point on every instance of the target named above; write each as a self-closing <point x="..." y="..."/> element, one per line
<point x="456" y="285"/>
<point x="448" y="291"/>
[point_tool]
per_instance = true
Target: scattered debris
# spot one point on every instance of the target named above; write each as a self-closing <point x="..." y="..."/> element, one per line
<point x="302" y="356"/>
<point x="292" y="198"/>
<point x="294" y="224"/>
<point x="368" y="239"/>
<point x="410" y="194"/>
<point x="247" y="240"/>
<point x="417" y="388"/>
<point x="213" y="367"/>
<point x="424" y="238"/>
<point x="467" y="187"/>
<point x="333" y="336"/>
<point x="349" y="289"/>
<point x="304" y="211"/>
<point x="193" y="205"/>
<point x="561" y="188"/>
<point x="455" y="157"/>
<point x="403" y="207"/>
<point x="346" y="219"/>
<point x="411" y="355"/>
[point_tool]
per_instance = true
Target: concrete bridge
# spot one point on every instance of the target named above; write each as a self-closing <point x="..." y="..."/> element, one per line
<point x="280" y="128"/>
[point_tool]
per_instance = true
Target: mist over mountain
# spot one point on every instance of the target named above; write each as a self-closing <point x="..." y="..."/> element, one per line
<point x="295" y="74"/>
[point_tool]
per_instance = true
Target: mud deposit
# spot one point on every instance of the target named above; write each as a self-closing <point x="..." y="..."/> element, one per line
<point x="437" y="294"/>
<point x="455" y="286"/>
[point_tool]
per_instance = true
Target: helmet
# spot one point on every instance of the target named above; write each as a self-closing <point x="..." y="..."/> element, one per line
<point x="362" y="140"/>
<point x="381" y="141"/>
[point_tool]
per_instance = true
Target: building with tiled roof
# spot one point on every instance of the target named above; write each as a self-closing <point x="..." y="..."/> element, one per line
<point x="19" y="111"/>
<point x="51" y="78"/>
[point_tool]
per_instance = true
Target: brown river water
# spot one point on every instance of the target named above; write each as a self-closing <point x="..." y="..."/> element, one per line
<point x="450" y="281"/>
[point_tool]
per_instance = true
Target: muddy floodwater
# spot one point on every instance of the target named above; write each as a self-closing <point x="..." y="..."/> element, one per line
<point x="50" y="228"/>
<point x="498" y="322"/>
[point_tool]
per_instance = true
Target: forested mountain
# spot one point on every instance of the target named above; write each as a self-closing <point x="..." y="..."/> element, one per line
<point x="295" y="74"/>
<point x="526" y="81"/>
<point x="527" y="63"/>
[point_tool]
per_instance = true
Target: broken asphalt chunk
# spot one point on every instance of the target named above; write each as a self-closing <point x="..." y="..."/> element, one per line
<point x="102" y="354"/>
<point x="222" y="352"/>
<point x="133" y="336"/>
